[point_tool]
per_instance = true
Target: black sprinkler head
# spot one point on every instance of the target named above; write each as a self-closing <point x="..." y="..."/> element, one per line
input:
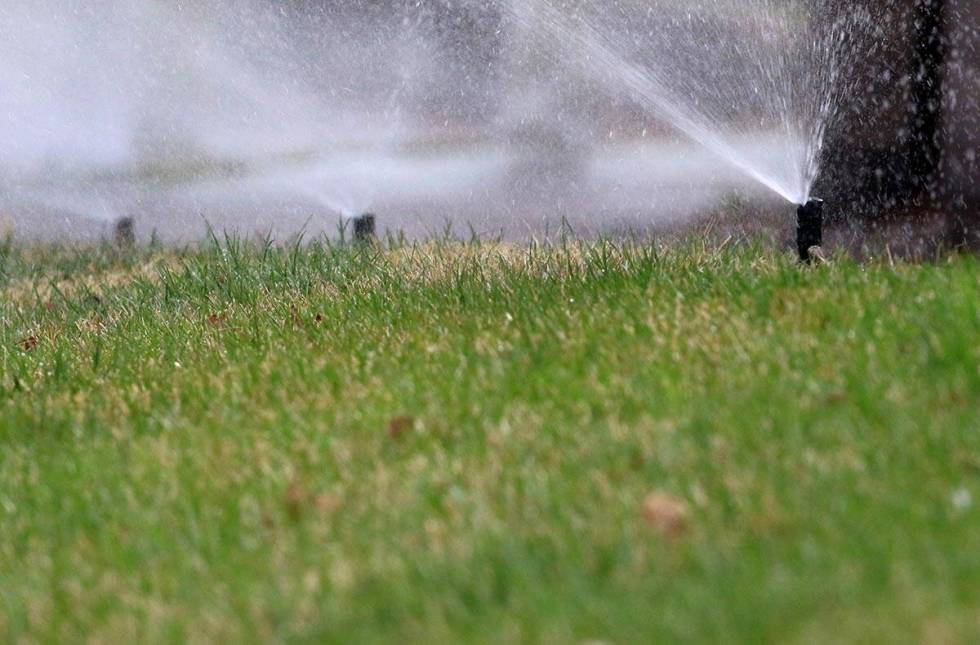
<point x="809" y="228"/>
<point x="365" y="227"/>
<point x="124" y="232"/>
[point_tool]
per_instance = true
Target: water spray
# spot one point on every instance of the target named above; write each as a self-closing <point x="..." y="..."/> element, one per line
<point x="809" y="229"/>
<point x="365" y="228"/>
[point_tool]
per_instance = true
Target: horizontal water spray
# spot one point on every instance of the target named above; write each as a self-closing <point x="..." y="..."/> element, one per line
<point x="809" y="229"/>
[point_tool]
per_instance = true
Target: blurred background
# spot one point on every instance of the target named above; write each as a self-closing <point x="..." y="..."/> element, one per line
<point x="270" y="117"/>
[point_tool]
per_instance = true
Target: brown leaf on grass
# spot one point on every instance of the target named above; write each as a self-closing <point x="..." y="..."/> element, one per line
<point x="295" y="500"/>
<point x="298" y="500"/>
<point x="665" y="514"/>
<point x="835" y="397"/>
<point x="327" y="504"/>
<point x="400" y="426"/>
<point x="968" y="461"/>
<point x="29" y="343"/>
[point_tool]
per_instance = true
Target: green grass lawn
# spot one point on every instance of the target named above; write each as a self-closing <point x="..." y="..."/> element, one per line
<point x="452" y="442"/>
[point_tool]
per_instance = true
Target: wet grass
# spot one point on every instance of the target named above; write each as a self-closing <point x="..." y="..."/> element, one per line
<point x="444" y="442"/>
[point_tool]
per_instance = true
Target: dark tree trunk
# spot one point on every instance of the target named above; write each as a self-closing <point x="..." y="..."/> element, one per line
<point x="928" y="63"/>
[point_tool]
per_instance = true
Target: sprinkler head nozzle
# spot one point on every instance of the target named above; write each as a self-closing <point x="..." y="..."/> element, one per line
<point x="365" y="227"/>
<point x="124" y="232"/>
<point x="809" y="228"/>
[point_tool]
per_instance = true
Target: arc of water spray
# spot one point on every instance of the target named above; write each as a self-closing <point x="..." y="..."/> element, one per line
<point x="650" y="89"/>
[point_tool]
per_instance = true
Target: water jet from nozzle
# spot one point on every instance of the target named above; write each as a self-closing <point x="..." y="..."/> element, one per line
<point x="809" y="228"/>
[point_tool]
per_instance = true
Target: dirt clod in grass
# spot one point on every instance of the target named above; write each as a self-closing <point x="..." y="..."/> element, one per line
<point x="400" y="426"/>
<point x="666" y="515"/>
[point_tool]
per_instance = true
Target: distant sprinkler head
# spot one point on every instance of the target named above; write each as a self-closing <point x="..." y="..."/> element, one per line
<point x="365" y="227"/>
<point x="809" y="229"/>
<point x="124" y="232"/>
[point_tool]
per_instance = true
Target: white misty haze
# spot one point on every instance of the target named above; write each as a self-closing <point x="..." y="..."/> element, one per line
<point x="242" y="109"/>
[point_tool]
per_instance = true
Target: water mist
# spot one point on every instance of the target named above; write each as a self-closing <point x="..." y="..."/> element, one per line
<point x="757" y="84"/>
<point x="254" y="115"/>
